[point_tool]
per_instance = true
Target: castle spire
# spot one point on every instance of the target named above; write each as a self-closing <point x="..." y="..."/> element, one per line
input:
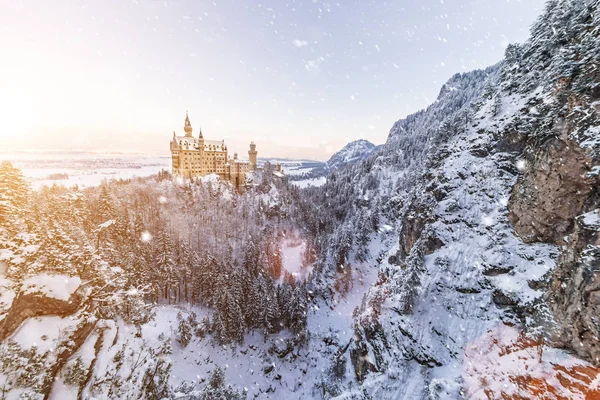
<point x="188" y="126"/>
<point x="201" y="137"/>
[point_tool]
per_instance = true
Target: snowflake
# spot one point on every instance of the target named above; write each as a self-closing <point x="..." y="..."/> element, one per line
<point x="146" y="236"/>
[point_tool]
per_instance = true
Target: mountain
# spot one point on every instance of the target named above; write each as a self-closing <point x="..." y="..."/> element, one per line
<point x="482" y="214"/>
<point x="350" y="153"/>
<point x="315" y="174"/>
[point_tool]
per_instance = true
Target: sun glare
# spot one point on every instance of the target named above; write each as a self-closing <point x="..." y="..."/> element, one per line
<point x="15" y="114"/>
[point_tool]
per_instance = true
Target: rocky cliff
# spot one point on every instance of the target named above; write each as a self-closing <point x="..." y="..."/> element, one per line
<point x="493" y="197"/>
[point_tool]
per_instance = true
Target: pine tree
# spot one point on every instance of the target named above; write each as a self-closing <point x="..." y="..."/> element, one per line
<point x="216" y="389"/>
<point x="14" y="192"/>
<point x="105" y="208"/>
<point x="184" y="330"/>
<point x="164" y="263"/>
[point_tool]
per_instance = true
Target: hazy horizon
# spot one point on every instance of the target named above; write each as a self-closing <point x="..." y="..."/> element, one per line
<point x="300" y="79"/>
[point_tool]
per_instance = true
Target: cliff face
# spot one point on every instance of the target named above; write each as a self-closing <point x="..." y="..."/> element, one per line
<point x="575" y="291"/>
<point x="556" y="199"/>
<point x="554" y="189"/>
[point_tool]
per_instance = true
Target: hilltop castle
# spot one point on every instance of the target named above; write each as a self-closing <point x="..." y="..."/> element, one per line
<point x="194" y="157"/>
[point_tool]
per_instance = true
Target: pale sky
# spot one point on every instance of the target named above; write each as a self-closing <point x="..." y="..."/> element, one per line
<point x="300" y="78"/>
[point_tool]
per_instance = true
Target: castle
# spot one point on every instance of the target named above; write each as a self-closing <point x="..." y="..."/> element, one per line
<point x="194" y="157"/>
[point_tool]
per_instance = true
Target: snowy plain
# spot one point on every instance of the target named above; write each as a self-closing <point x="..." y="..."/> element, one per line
<point x="84" y="169"/>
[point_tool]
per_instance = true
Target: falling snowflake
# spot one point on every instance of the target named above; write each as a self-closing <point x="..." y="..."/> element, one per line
<point x="521" y="164"/>
<point x="146" y="236"/>
<point x="300" y="43"/>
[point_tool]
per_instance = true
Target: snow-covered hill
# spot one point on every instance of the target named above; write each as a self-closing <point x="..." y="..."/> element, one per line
<point x="352" y="152"/>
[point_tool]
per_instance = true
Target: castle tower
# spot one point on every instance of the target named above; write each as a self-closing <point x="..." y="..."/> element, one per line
<point x="201" y="140"/>
<point x="252" y="156"/>
<point x="174" y="145"/>
<point x="187" y="127"/>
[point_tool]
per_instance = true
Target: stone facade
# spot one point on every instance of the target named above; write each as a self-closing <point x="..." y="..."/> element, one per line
<point x="196" y="157"/>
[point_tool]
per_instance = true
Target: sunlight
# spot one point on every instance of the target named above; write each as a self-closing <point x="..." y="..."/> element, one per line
<point x="17" y="117"/>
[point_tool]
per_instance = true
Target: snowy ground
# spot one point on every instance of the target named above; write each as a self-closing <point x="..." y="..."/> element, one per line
<point x="292" y="249"/>
<point x="316" y="182"/>
<point x="260" y="366"/>
<point x="84" y="169"/>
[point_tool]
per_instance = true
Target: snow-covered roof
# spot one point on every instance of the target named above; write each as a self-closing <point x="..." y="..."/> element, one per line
<point x="191" y="143"/>
<point x="187" y="142"/>
<point x="215" y="145"/>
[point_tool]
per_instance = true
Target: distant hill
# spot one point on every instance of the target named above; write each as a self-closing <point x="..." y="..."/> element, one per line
<point x="313" y="173"/>
<point x="352" y="152"/>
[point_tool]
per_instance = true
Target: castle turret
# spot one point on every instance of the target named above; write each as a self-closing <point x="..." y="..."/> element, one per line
<point x="201" y="140"/>
<point x="174" y="145"/>
<point x="187" y="127"/>
<point x="252" y="156"/>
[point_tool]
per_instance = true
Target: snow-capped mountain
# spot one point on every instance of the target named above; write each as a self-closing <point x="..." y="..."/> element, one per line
<point x="350" y="153"/>
<point x="316" y="175"/>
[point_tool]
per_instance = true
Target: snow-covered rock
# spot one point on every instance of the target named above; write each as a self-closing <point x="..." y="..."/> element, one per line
<point x="59" y="287"/>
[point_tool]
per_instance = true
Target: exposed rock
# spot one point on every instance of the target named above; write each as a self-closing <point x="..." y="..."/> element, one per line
<point x="413" y="224"/>
<point x="575" y="292"/>
<point x="35" y="305"/>
<point x="553" y="190"/>
<point x="75" y="341"/>
<point x="495" y="270"/>
<point x="359" y="355"/>
<point x="502" y="299"/>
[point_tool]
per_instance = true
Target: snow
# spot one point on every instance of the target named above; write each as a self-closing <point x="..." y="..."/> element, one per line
<point x="213" y="178"/>
<point x="315" y="182"/>
<point x="106" y="224"/>
<point x="350" y="153"/>
<point x="503" y="364"/>
<point x="60" y="287"/>
<point x="292" y="249"/>
<point x="295" y="171"/>
<point x="146" y="236"/>
<point x="7" y="295"/>
<point x="83" y="169"/>
<point x="44" y="333"/>
<point x="591" y="219"/>
<point x="593" y="141"/>
<point x="86" y="353"/>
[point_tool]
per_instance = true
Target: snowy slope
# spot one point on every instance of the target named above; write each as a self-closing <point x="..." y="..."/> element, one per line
<point x="452" y="181"/>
